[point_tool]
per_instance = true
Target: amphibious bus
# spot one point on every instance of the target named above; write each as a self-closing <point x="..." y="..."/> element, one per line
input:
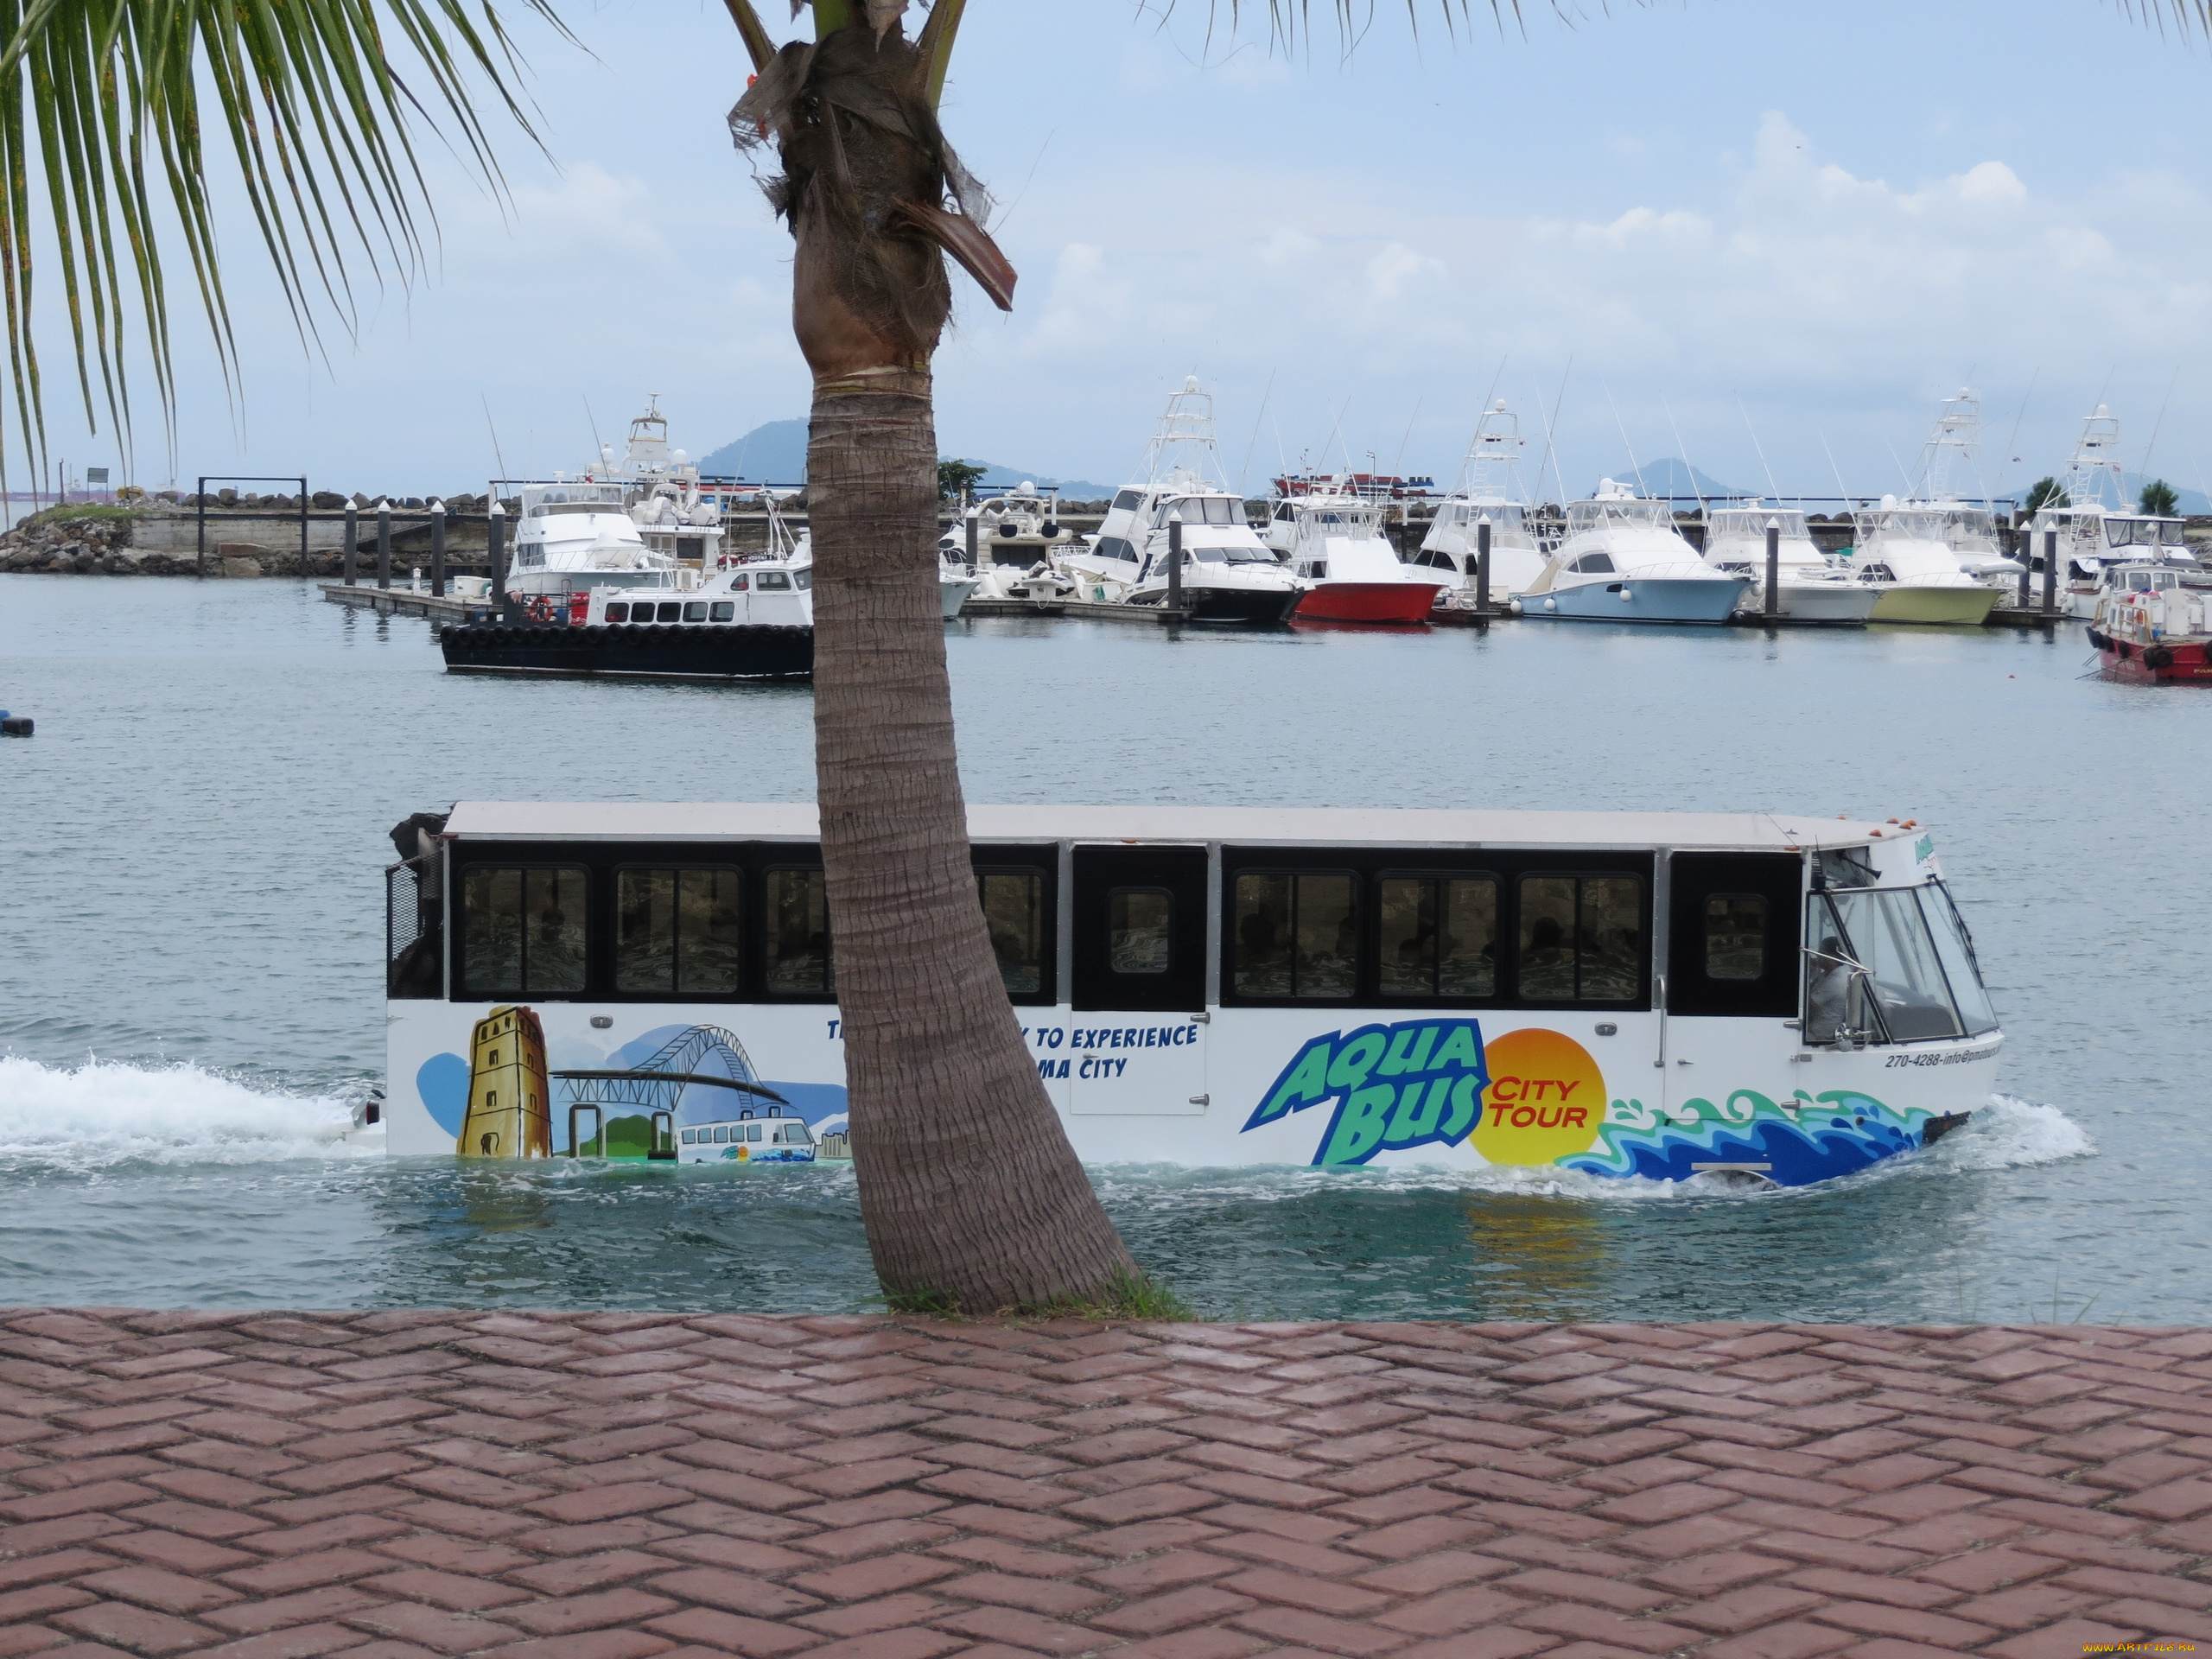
<point x="1771" y="998"/>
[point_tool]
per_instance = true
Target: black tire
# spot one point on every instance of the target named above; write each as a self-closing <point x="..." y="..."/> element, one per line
<point x="2156" y="657"/>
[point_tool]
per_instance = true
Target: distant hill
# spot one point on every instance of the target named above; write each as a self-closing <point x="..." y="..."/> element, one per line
<point x="776" y="453"/>
<point x="2191" y="502"/>
<point x="1676" y="478"/>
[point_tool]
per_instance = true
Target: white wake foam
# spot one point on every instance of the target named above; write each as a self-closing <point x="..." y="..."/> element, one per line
<point x="104" y="1113"/>
<point x="2006" y="1132"/>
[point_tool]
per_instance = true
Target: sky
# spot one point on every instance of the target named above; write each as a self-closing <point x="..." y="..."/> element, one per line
<point x="1769" y="238"/>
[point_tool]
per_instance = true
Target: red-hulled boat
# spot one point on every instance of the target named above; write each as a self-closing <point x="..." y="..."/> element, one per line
<point x="1336" y="542"/>
<point x="2149" y="627"/>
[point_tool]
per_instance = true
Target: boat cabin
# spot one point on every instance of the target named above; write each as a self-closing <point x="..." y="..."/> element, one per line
<point x="1626" y="993"/>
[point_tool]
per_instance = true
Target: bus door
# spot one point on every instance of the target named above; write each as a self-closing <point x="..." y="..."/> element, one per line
<point x="1137" y="1037"/>
<point x="1735" y="924"/>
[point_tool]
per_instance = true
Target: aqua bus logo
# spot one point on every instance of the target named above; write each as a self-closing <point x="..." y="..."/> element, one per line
<point x="1396" y="1086"/>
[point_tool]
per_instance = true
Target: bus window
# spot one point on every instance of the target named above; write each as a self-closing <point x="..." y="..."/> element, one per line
<point x="1297" y="936"/>
<point x="796" y="938"/>
<point x="1013" y="912"/>
<point x="522" y="932"/>
<point x="1140" y="930"/>
<point x="1582" y="939"/>
<point x="1735" y="935"/>
<point x="675" y="931"/>
<point x="1439" y="935"/>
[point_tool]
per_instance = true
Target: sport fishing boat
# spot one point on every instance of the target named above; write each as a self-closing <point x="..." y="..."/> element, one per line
<point x="1336" y="544"/>
<point x="1902" y="550"/>
<point x="1622" y="560"/>
<point x="1762" y="998"/>
<point x="1227" y="574"/>
<point x="1489" y="491"/>
<point x="2148" y="626"/>
<point x="2097" y="531"/>
<point x="1808" y="587"/>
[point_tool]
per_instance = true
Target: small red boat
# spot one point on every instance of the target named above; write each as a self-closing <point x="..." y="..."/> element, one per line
<point x="2149" y="627"/>
<point x="1336" y="542"/>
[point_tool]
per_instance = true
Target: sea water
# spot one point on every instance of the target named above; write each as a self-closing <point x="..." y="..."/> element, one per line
<point x="191" y="996"/>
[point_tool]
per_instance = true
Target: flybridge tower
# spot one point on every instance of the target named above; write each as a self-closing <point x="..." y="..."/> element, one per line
<point x="1183" y="446"/>
<point x="1492" y="471"/>
<point x="1948" y="471"/>
<point x="2092" y="477"/>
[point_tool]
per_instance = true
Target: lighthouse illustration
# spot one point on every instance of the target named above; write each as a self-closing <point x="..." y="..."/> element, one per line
<point x="509" y="1114"/>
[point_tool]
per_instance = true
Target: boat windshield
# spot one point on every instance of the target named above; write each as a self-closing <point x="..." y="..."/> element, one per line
<point x="1589" y="514"/>
<point x="1971" y="529"/>
<point x="1749" y="524"/>
<point x="1891" y="963"/>
<point x="540" y="500"/>
<point x="1204" y="509"/>
<point x="1906" y="525"/>
<point x="2126" y="532"/>
<point x="2151" y="582"/>
<point x="1342" y="518"/>
<point x="1232" y="554"/>
<point x="2170" y="532"/>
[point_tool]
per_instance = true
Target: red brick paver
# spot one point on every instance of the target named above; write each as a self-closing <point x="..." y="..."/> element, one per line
<point x="427" y="1485"/>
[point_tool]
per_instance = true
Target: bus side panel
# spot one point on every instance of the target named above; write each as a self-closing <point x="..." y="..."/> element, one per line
<point x="791" y="1052"/>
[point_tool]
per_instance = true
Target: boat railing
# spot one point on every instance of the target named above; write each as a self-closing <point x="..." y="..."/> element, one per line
<point x="414" y="934"/>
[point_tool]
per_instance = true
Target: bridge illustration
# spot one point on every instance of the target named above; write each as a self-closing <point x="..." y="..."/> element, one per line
<point x="645" y="1097"/>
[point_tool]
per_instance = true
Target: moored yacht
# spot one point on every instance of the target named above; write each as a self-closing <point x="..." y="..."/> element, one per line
<point x="1902" y="550"/>
<point x="1622" y="560"/>
<point x="662" y="492"/>
<point x="1489" y="491"/>
<point x="1227" y="574"/>
<point x="572" y="535"/>
<point x="1336" y="542"/>
<point x="2096" y="529"/>
<point x="1808" y="587"/>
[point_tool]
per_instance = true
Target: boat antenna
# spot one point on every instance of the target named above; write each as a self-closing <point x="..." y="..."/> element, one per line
<point x="1245" y="470"/>
<point x="2160" y="422"/>
<point x="1682" y="451"/>
<point x="1899" y="465"/>
<point x="597" y="448"/>
<point x="1336" y="427"/>
<point x="1550" y="426"/>
<point x="1760" y="450"/>
<point x="494" y="430"/>
<point x="1841" y="494"/>
<point x="1400" y="459"/>
<point x="1630" y="448"/>
<point x="2012" y="442"/>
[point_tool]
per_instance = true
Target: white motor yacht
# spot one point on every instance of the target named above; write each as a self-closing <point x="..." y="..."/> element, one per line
<point x="1902" y="550"/>
<point x="662" y="491"/>
<point x="573" y="535"/>
<point x="956" y="579"/>
<point x="1622" y="560"/>
<point x="1335" y="541"/>
<point x="1228" y="575"/>
<point x="1808" y="587"/>
<point x="1489" y="491"/>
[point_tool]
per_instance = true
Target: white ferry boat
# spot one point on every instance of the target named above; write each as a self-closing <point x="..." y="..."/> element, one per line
<point x="1808" y="588"/>
<point x="1489" y="491"/>
<point x="1762" y="997"/>
<point x="1622" y="560"/>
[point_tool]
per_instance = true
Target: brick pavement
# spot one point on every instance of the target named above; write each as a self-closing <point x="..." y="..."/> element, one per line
<point x="421" y="1485"/>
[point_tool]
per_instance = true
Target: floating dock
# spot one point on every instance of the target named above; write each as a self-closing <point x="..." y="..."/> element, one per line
<point x="409" y="601"/>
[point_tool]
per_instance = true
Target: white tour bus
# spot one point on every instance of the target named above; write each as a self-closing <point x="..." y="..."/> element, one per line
<point x="1771" y="998"/>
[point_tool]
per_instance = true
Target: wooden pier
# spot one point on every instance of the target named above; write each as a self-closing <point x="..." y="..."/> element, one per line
<point x="1083" y="609"/>
<point x="408" y="601"/>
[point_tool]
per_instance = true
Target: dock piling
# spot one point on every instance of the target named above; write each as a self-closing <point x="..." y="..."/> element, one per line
<point x="495" y="537"/>
<point x="2024" y="544"/>
<point x="353" y="542"/>
<point x="2050" y="572"/>
<point x="384" y="544"/>
<point x="1175" y="560"/>
<point x="1482" y="566"/>
<point x="1773" y="570"/>
<point x="437" y="549"/>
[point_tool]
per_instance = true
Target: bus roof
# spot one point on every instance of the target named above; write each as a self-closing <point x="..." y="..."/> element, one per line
<point x="639" y="821"/>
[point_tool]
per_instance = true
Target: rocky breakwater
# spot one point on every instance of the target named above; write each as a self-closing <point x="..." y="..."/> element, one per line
<point x="246" y="536"/>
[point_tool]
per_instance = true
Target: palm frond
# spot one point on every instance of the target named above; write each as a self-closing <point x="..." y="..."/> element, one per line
<point x="102" y="116"/>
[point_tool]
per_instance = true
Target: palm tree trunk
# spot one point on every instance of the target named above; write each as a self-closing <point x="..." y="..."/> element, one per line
<point x="969" y="1188"/>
